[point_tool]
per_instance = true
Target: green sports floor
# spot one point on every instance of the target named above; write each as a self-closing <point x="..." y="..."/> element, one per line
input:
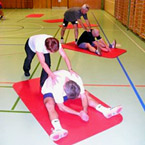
<point x="118" y="81"/>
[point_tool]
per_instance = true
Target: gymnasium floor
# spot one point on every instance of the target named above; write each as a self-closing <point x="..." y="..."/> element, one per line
<point x="118" y="81"/>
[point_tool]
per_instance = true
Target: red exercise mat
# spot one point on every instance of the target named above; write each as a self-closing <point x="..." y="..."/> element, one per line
<point x="29" y="92"/>
<point x="34" y="15"/>
<point x="53" y="21"/>
<point x="113" y="54"/>
<point x="70" y="26"/>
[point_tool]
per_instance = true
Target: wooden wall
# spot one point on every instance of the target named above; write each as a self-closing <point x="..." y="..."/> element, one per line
<point x="131" y="13"/>
<point x="41" y="3"/>
<point x="17" y="3"/>
<point x="94" y="4"/>
<point x="109" y="6"/>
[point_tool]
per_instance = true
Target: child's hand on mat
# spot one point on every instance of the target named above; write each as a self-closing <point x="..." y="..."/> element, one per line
<point x="84" y="116"/>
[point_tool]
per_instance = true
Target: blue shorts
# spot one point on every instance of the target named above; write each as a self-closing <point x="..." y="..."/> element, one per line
<point x="83" y="45"/>
<point x="65" y="98"/>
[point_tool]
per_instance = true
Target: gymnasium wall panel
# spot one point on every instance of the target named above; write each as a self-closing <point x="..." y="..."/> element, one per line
<point x="109" y="6"/>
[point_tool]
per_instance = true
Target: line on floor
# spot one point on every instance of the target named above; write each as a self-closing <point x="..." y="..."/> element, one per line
<point x="132" y="85"/>
<point x="109" y="85"/>
<point x="10" y="111"/>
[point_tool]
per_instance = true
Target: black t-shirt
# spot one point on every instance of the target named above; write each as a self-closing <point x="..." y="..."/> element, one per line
<point x="86" y="37"/>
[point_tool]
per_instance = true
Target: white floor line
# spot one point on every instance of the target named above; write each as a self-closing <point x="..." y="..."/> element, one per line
<point x="41" y="27"/>
<point x="126" y="34"/>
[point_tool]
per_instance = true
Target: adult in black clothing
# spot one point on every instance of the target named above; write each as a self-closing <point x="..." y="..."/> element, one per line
<point x="87" y="41"/>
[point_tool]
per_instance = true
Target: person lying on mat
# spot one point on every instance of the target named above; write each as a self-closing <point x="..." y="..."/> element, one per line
<point x="43" y="45"/>
<point x="73" y="15"/>
<point x="69" y="87"/>
<point x="87" y="41"/>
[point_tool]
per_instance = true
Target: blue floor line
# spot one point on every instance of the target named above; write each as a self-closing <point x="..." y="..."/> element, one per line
<point x="132" y="85"/>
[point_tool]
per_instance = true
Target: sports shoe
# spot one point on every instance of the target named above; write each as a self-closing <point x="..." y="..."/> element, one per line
<point x="61" y="41"/>
<point x="98" y="51"/>
<point x="58" y="134"/>
<point x="27" y="74"/>
<point x="1" y="17"/>
<point x="110" y="112"/>
<point x="114" y="44"/>
<point x="76" y="41"/>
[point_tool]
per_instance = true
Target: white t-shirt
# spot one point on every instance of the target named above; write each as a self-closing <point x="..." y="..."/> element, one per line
<point x="58" y="90"/>
<point x="37" y="43"/>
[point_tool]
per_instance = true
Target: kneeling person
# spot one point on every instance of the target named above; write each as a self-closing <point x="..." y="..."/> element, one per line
<point x="69" y="86"/>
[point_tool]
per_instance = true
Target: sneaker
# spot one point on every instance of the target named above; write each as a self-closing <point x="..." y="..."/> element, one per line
<point x="114" y="44"/>
<point x="110" y="112"/>
<point x="98" y="51"/>
<point x="27" y="74"/>
<point x="1" y="17"/>
<point x="76" y="41"/>
<point x="61" y="41"/>
<point x="58" y="134"/>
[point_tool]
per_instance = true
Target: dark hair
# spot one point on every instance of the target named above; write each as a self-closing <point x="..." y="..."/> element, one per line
<point x="52" y="44"/>
<point x="72" y="89"/>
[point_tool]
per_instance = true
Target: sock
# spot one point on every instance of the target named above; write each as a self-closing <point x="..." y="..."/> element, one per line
<point x="56" y="124"/>
<point x="110" y="45"/>
<point x="97" y="52"/>
<point x="101" y="108"/>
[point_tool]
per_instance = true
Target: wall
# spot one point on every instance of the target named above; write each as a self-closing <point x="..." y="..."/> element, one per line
<point x="94" y="4"/>
<point x="17" y="3"/>
<point x="109" y="6"/>
<point x="131" y="13"/>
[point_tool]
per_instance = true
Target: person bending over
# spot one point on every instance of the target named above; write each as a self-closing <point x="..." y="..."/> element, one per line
<point x="73" y="15"/>
<point x="68" y="87"/>
<point x="43" y="45"/>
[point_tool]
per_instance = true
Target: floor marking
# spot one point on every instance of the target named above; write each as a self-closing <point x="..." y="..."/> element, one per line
<point x="10" y="29"/>
<point x="93" y="85"/>
<point x="12" y="54"/>
<point x="132" y="85"/>
<point x="13" y="107"/>
<point x="107" y="85"/>
<point x="7" y="82"/>
<point x="126" y="34"/>
<point x="11" y="111"/>
<point x="37" y="30"/>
